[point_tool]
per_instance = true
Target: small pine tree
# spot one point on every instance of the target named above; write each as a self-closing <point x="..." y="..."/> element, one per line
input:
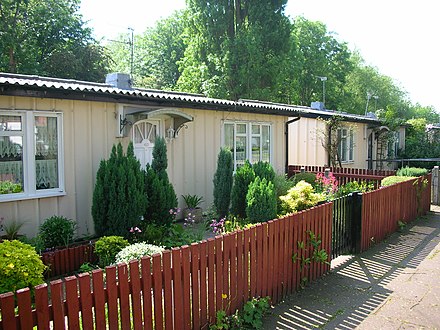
<point x="261" y="201"/>
<point x="243" y="177"/>
<point x="119" y="198"/>
<point x="223" y="182"/>
<point x="160" y="191"/>
<point x="264" y="170"/>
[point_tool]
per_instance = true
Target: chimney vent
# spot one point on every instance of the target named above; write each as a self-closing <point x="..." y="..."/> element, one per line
<point x="118" y="80"/>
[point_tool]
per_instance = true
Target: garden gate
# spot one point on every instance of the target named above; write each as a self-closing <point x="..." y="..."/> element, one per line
<point x="346" y="231"/>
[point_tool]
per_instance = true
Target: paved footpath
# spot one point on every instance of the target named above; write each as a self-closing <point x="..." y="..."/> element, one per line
<point x="394" y="285"/>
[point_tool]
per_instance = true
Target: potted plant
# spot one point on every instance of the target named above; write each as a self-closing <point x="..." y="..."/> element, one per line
<point x="193" y="211"/>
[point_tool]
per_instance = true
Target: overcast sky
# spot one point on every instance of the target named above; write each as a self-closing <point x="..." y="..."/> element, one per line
<point x="400" y="38"/>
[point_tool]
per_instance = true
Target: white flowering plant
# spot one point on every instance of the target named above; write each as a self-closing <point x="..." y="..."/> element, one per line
<point x="137" y="251"/>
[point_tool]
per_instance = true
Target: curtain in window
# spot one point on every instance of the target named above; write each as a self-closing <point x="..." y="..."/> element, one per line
<point x="11" y="149"/>
<point x="46" y="152"/>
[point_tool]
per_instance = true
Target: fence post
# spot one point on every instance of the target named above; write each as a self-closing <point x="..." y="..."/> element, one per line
<point x="435" y="196"/>
<point x="357" y="221"/>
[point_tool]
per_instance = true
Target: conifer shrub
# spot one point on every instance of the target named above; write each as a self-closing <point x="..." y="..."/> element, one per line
<point x="261" y="201"/>
<point x="119" y="198"/>
<point x="161" y="195"/>
<point x="20" y="266"/>
<point x="223" y="182"/>
<point x="57" y="231"/>
<point x="264" y="170"/>
<point x="243" y="177"/>
<point x="107" y="247"/>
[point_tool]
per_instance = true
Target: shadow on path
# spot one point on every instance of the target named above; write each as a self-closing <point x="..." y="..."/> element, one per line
<point x="359" y="284"/>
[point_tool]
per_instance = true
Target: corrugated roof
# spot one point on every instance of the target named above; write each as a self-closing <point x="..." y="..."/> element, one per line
<point x="91" y="88"/>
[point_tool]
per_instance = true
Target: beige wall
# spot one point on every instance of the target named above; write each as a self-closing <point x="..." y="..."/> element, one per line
<point x="88" y="135"/>
<point x="305" y="143"/>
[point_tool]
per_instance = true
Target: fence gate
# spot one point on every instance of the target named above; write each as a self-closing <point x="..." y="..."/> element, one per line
<point x="346" y="232"/>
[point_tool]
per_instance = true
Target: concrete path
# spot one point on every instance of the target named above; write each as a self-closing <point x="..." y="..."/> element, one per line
<point x="394" y="285"/>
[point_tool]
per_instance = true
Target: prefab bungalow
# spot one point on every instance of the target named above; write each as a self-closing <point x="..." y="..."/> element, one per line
<point x="54" y="133"/>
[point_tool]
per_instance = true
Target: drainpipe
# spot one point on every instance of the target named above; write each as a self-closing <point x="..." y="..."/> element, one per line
<point x="286" y="132"/>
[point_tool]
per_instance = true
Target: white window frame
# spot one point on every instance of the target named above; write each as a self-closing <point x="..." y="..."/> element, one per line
<point x="248" y="135"/>
<point x="347" y="135"/>
<point x="30" y="190"/>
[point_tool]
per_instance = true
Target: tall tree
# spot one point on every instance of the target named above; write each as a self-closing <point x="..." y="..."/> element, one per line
<point x="41" y="36"/>
<point x="235" y="49"/>
<point x="315" y="53"/>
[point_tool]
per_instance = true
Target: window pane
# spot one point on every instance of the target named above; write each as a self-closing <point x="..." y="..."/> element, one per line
<point x="256" y="129"/>
<point x="229" y="136"/>
<point x="350" y="153"/>
<point x="46" y="152"/>
<point x="241" y="128"/>
<point x="241" y="150"/>
<point x="255" y="149"/>
<point x="11" y="164"/>
<point x="265" y="136"/>
<point x="10" y="123"/>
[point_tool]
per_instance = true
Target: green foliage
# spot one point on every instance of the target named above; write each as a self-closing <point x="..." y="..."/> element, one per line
<point x="390" y="180"/>
<point x="41" y="36"/>
<point x="20" y="266"/>
<point x="107" y="247"/>
<point x="11" y="228"/>
<point x="250" y="317"/>
<point x="57" y="231"/>
<point x="282" y="185"/>
<point x="160" y="160"/>
<point x="119" y="198"/>
<point x="305" y="176"/>
<point x="261" y="201"/>
<point x="162" y="198"/>
<point x="137" y="251"/>
<point x="264" y="170"/>
<point x="192" y="201"/>
<point x="223" y="182"/>
<point x="87" y="267"/>
<point x="242" y="179"/>
<point x="354" y="186"/>
<point x="300" y="197"/>
<point x="154" y="234"/>
<point x="411" y="171"/>
<point x="178" y="235"/>
<point x="9" y="187"/>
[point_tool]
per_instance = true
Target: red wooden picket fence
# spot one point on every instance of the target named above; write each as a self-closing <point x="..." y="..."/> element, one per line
<point x="65" y="261"/>
<point x="383" y="208"/>
<point x="182" y="288"/>
<point x="345" y="175"/>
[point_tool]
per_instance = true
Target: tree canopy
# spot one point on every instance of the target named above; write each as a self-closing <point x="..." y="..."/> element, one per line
<point x="41" y="36"/>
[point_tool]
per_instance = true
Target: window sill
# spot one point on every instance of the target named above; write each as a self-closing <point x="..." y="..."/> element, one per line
<point x="22" y="196"/>
<point x="347" y="162"/>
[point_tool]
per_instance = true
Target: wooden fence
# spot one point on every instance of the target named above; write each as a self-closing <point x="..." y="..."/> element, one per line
<point x="182" y="288"/>
<point x="65" y="261"/>
<point x="345" y="175"/>
<point x="382" y="209"/>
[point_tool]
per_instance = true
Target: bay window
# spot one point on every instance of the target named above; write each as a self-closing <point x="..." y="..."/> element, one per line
<point x="30" y="154"/>
<point x="248" y="141"/>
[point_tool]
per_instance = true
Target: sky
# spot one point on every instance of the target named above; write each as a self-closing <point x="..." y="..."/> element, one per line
<point x="399" y="37"/>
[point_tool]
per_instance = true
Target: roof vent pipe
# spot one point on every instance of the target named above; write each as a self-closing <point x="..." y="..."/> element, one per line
<point x="118" y="80"/>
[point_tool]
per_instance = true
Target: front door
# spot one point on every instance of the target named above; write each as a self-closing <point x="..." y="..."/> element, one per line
<point x="144" y="135"/>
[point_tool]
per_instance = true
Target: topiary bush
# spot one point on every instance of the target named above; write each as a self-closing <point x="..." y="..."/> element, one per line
<point x="223" y="182"/>
<point x="411" y="171"/>
<point x="20" y="266"/>
<point x="107" y="247"/>
<point x="57" y="231"/>
<point x="264" y="170"/>
<point x="300" y="197"/>
<point x="243" y="177"/>
<point x="137" y="251"/>
<point x="261" y="201"/>
<point x="390" y="180"/>
<point x="305" y="176"/>
<point x="119" y="199"/>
